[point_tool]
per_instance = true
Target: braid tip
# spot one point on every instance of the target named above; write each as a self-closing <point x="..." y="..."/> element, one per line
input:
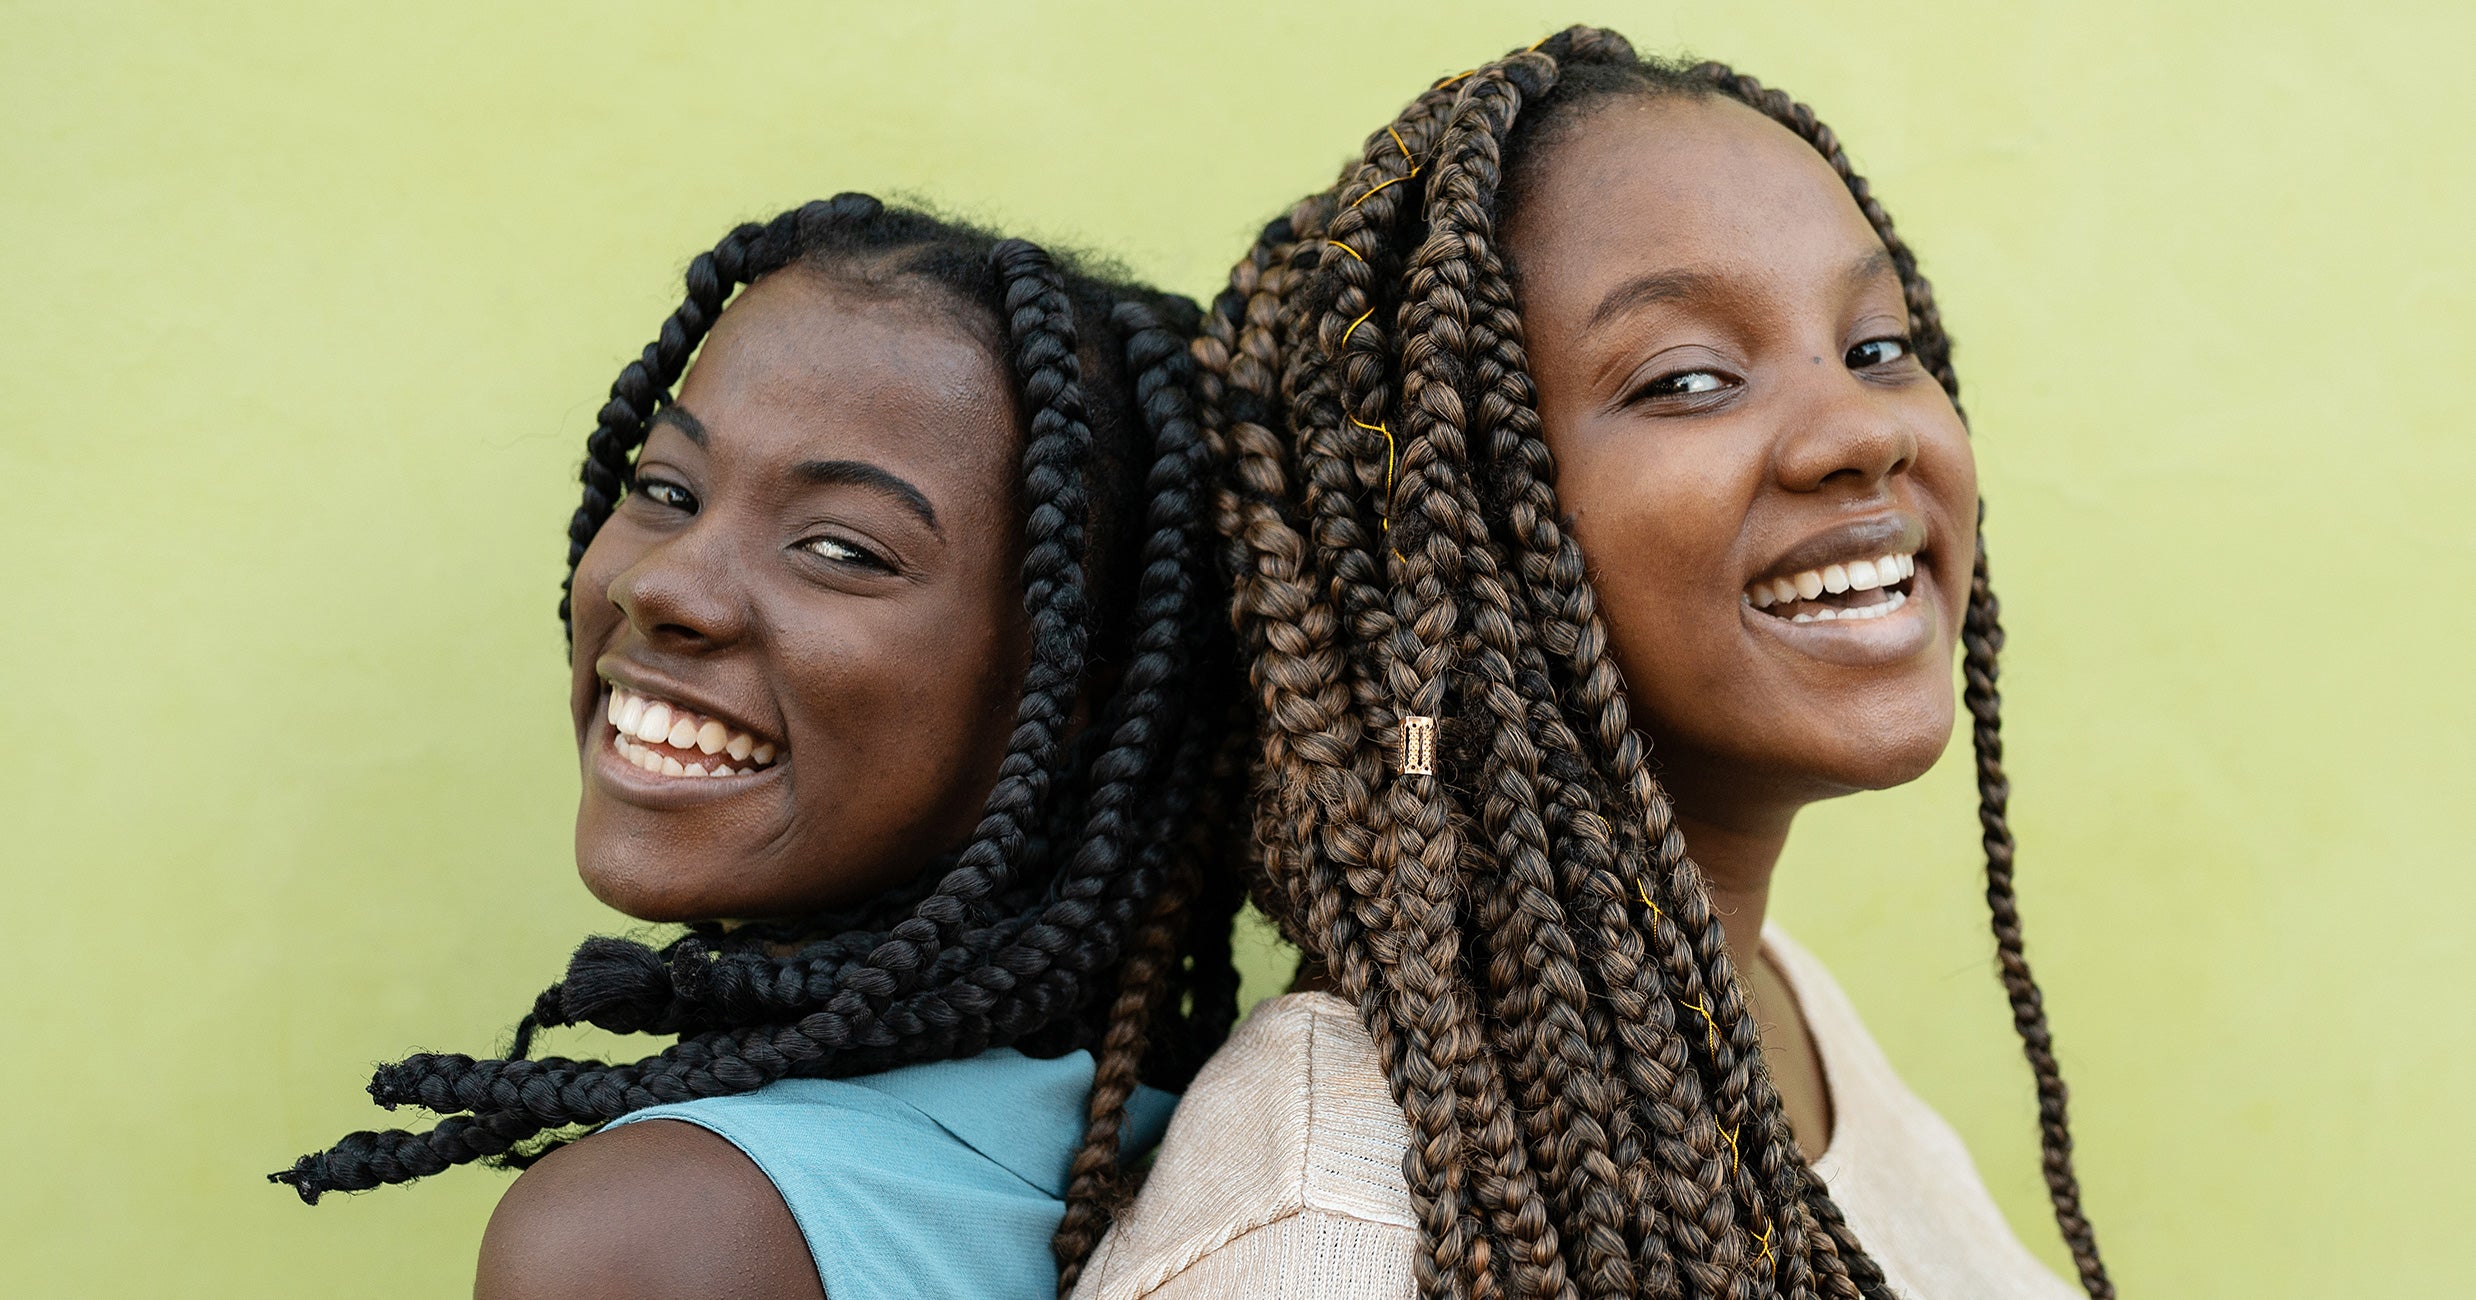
<point x="301" y="1179"/>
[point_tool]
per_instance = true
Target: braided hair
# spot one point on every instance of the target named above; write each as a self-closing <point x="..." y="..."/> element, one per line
<point x="1082" y="911"/>
<point x="1533" y="951"/>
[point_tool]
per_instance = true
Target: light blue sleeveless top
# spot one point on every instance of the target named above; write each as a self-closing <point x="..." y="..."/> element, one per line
<point x="944" y="1179"/>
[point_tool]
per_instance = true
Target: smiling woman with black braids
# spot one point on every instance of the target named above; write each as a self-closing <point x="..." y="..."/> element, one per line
<point x="899" y="672"/>
<point x="1599" y="498"/>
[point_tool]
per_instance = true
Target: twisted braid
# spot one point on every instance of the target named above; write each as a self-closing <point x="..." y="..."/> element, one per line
<point x="1407" y="854"/>
<point x="1154" y="715"/>
<point x="1526" y="936"/>
<point x="1068" y="883"/>
<point x="1981" y="637"/>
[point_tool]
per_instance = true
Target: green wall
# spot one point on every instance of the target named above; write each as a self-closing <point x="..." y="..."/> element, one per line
<point x="307" y="315"/>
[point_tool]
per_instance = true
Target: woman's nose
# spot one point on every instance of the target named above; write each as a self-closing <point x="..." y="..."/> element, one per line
<point x="1846" y="437"/>
<point x="680" y="595"/>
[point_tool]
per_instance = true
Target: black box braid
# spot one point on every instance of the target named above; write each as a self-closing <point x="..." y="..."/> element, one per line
<point x="1091" y="869"/>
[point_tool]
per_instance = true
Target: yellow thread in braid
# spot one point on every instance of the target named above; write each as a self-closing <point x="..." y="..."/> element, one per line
<point x="1389" y="461"/>
<point x="1710" y="1027"/>
<point x="1381" y="188"/>
<point x="1385" y="521"/>
<point x="1344" y="248"/>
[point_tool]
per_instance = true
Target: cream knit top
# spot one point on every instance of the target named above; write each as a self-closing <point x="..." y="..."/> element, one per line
<point x="1281" y="1174"/>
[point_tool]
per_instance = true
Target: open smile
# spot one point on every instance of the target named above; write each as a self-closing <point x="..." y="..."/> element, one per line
<point x="1855" y="595"/>
<point x="1855" y="590"/>
<point x="666" y="739"/>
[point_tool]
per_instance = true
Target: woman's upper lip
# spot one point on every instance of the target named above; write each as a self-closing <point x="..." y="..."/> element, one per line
<point x="637" y="679"/>
<point x="1893" y="532"/>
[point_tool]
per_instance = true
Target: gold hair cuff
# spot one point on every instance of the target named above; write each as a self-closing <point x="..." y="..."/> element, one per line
<point x="1418" y="746"/>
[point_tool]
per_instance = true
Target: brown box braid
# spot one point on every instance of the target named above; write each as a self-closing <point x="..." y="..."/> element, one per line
<point x="1533" y="951"/>
<point x="1091" y="908"/>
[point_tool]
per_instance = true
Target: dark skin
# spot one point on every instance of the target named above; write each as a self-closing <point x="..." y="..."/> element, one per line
<point x="1720" y="348"/>
<point x="821" y="551"/>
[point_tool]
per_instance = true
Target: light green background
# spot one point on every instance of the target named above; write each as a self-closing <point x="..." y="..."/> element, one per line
<point x="307" y="314"/>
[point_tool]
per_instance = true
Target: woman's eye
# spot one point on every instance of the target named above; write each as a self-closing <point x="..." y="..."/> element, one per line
<point x="1684" y="383"/>
<point x="666" y="494"/>
<point x="1877" y="352"/>
<point x="842" y="552"/>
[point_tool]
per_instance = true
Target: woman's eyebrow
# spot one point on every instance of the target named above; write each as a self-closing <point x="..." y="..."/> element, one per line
<point x="825" y="473"/>
<point x="859" y="473"/>
<point x="677" y="417"/>
<point x="1645" y="290"/>
<point x="1671" y="286"/>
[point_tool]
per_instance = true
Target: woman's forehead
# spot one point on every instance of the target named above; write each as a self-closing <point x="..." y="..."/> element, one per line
<point x="802" y="365"/>
<point x="1703" y="185"/>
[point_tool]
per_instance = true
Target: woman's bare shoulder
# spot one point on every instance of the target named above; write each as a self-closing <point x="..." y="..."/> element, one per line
<point x="658" y="1209"/>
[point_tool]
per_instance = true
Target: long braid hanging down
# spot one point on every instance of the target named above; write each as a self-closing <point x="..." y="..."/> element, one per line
<point x="1531" y="947"/>
<point x="1078" y="913"/>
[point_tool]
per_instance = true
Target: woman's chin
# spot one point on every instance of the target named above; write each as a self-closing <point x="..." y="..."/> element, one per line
<point x="626" y="861"/>
<point x="658" y="895"/>
<point x="1892" y="753"/>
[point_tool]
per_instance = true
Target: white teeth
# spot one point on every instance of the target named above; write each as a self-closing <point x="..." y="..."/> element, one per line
<point x="637" y="718"/>
<point x="1881" y="573"/>
<point x="650" y="761"/>
<point x="1828" y="614"/>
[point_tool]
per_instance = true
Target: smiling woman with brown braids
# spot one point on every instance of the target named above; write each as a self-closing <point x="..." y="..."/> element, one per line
<point x="1597" y="408"/>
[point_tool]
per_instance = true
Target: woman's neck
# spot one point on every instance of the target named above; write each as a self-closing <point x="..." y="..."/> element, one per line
<point x="1737" y="856"/>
